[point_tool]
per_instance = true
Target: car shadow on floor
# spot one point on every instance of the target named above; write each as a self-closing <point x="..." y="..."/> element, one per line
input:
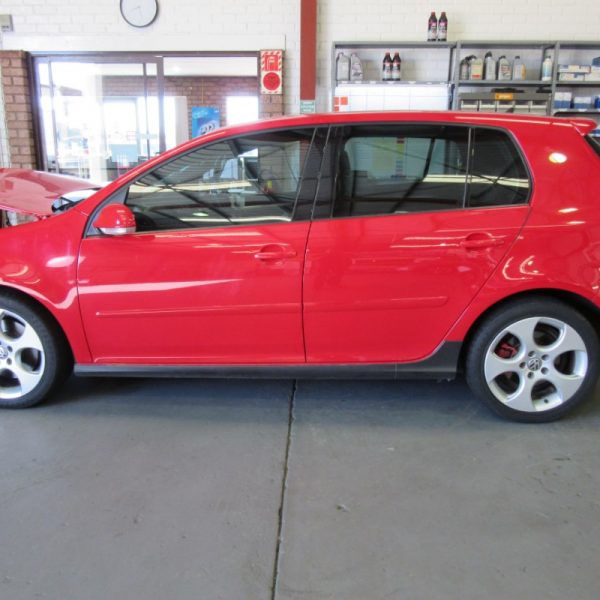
<point x="378" y="402"/>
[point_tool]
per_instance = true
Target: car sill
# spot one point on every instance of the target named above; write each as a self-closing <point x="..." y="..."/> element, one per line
<point x="442" y="364"/>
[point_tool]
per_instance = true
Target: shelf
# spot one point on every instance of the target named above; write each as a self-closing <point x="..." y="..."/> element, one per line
<point x="371" y="82"/>
<point x="578" y="84"/>
<point x="503" y="83"/>
<point x="393" y="45"/>
<point x="513" y="44"/>
<point x="579" y="45"/>
<point x="589" y="111"/>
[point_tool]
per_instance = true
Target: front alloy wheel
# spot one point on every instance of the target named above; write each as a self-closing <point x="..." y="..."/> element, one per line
<point x="22" y="358"/>
<point x="534" y="361"/>
<point x="33" y="355"/>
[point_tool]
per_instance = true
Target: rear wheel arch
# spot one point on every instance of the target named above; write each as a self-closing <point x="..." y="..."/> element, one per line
<point x="582" y="305"/>
<point x="534" y="377"/>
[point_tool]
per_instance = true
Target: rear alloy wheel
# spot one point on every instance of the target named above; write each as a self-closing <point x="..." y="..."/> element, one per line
<point x="32" y="358"/>
<point x="533" y="361"/>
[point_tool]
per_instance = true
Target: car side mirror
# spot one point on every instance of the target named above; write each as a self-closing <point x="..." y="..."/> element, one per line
<point x="115" y="219"/>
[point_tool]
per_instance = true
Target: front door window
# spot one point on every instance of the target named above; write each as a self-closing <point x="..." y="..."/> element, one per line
<point x="249" y="180"/>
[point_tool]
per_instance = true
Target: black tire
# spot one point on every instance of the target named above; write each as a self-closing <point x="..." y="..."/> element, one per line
<point x="560" y="379"/>
<point x="29" y="374"/>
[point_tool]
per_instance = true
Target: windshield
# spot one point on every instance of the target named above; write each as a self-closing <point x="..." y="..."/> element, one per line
<point x="70" y="199"/>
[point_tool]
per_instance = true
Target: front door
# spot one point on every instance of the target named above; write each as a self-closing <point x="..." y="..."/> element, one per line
<point x="213" y="274"/>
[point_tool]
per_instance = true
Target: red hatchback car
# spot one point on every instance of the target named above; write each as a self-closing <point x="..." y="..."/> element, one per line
<point x="342" y="245"/>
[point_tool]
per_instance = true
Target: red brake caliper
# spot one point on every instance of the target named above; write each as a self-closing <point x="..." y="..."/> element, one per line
<point x="506" y="350"/>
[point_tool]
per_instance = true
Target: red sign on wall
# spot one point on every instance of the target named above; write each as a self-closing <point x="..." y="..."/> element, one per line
<point x="271" y="71"/>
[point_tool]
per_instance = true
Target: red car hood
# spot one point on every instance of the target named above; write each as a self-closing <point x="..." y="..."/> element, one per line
<point x="33" y="192"/>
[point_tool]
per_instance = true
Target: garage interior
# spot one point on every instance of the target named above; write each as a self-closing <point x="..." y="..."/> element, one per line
<point x="273" y="489"/>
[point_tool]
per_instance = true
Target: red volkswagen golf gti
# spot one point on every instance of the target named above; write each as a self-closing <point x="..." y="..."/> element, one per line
<point x="380" y="245"/>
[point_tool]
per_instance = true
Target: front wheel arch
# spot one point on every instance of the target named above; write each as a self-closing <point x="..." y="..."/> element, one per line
<point x="50" y="320"/>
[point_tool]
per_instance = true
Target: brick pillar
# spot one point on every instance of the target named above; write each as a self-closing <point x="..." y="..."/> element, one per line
<point x="18" y="109"/>
<point x="270" y="105"/>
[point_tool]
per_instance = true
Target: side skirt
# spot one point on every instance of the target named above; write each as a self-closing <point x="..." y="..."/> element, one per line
<point x="443" y="364"/>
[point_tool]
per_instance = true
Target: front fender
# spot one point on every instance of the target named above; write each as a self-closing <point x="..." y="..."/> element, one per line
<point x="40" y="260"/>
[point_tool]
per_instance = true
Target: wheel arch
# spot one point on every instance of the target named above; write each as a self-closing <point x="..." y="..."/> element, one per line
<point x="38" y="306"/>
<point x="582" y="305"/>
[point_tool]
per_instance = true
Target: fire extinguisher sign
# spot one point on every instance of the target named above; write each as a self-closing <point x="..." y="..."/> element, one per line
<point x="271" y="71"/>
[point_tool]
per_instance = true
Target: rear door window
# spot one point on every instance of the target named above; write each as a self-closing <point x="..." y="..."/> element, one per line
<point x="394" y="169"/>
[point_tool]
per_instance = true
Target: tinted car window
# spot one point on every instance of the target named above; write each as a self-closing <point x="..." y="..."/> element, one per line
<point x="245" y="180"/>
<point x="594" y="142"/>
<point x="387" y="169"/>
<point x="497" y="175"/>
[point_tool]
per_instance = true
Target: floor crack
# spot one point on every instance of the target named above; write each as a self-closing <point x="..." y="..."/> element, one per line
<point x="284" y="479"/>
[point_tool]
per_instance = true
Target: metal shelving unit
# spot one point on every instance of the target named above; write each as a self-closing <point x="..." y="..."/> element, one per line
<point x="538" y="100"/>
<point x="420" y="69"/>
<point x="574" y="53"/>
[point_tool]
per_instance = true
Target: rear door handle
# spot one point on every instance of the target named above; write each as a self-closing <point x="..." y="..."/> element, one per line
<point x="480" y="241"/>
<point x="274" y="252"/>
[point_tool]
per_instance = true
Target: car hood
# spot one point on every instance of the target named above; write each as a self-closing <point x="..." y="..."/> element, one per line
<point x="33" y="192"/>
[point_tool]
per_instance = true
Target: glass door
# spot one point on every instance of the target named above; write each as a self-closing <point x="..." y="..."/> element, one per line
<point x="99" y="117"/>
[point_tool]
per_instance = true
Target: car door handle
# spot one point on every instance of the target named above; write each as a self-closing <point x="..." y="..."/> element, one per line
<point x="274" y="252"/>
<point x="480" y="241"/>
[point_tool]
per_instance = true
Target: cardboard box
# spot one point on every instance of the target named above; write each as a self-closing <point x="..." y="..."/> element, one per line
<point x="582" y="102"/>
<point x="571" y="77"/>
<point x="562" y="100"/>
<point x="574" y="69"/>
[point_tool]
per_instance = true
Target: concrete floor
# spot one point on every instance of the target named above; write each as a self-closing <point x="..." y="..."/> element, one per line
<point x="161" y="490"/>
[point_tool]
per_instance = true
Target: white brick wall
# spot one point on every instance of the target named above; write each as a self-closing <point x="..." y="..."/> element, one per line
<point x="255" y="24"/>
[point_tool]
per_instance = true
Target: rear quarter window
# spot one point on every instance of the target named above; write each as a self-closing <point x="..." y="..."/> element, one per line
<point x="594" y="142"/>
<point x="497" y="176"/>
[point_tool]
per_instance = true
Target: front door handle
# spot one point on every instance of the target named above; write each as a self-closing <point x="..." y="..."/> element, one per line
<point x="273" y="252"/>
<point x="481" y="241"/>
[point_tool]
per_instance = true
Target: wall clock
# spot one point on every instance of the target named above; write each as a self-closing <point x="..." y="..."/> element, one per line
<point x="139" y="13"/>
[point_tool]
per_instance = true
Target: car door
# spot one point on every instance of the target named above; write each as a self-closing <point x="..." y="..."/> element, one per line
<point x="213" y="273"/>
<point x="414" y="220"/>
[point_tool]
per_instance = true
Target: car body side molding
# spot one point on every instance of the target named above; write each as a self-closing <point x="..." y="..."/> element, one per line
<point x="443" y="364"/>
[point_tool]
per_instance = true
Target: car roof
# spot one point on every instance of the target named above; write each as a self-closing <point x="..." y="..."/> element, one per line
<point x="458" y="117"/>
<point x="507" y="120"/>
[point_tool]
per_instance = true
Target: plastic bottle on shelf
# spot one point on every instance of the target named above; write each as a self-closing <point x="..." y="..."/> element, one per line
<point x="432" y="26"/>
<point x="356" y="70"/>
<point x="386" y="71"/>
<point x="504" y="70"/>
<point x="465" y="67"/>
<point x="489" y="67"/>
<point x="442" y="28"/>
<point x="547" y="67"/>
<point x="518" y="70"/>
<point x="396" y="67"/>
<point x="342" y="67"/>
<point x="476" y="69"/>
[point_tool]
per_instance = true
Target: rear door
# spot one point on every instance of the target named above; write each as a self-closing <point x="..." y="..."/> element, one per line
<point x="410" y="222"/>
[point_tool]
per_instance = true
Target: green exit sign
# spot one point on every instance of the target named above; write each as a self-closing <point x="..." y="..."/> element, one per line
<point x="307" y="107"/>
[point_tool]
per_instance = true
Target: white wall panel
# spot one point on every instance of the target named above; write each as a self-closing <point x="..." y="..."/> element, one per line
<point x="254" y="24"/>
